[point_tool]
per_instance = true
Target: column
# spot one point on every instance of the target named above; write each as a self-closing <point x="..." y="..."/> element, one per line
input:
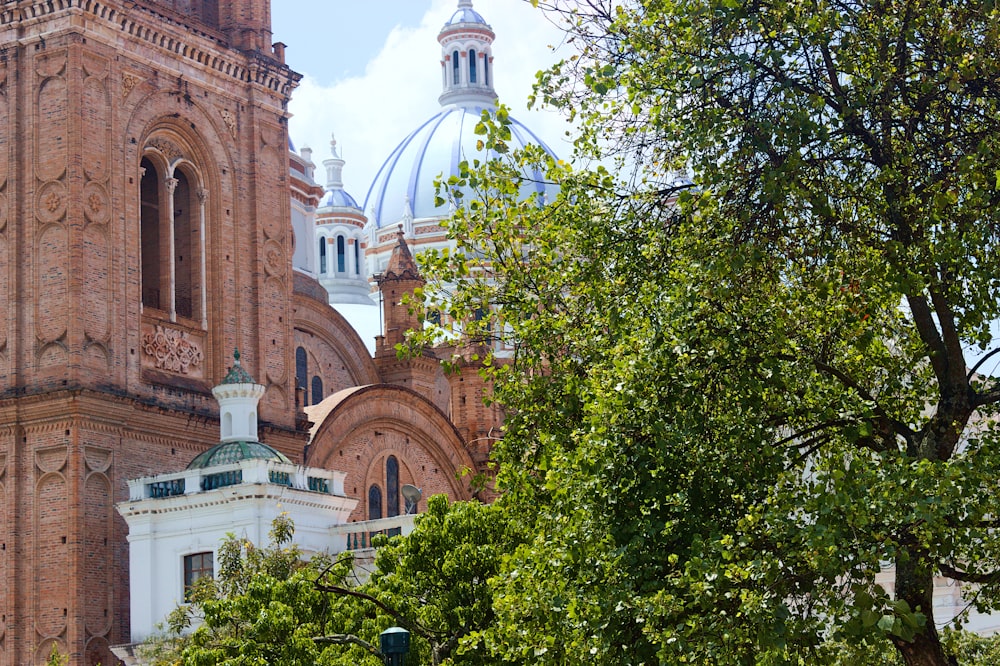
<point x="203" y="291"/>
<point x="171" y="249"/>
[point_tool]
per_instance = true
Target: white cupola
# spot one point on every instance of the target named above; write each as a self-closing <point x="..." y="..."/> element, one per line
<point x="467" y="58"/>
<point x="238" y="395"/>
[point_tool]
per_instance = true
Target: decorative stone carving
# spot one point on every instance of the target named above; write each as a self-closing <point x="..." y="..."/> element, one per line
<point x="172" y="185"/>
<point x="169" y="150"/>
<point x="274" y="258"/>
<point x="172" y="350"/>
<point x="129" y="82"/>
<point x="230" y="120"/>
<point x="51" y="201"/>
<point x="95" y="202"/>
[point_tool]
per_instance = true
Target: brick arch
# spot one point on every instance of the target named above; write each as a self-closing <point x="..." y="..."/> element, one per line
<point x="324" y="332"/>
<point x="355" y="431"/>
<point x="189" y="139"/>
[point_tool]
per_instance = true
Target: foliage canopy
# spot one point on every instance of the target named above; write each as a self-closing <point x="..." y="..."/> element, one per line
<point x="268" y="605"/>
<point x="733" y="404"/>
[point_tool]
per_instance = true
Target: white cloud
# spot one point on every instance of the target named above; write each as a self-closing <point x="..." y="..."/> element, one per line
<point x="372" y="113"/>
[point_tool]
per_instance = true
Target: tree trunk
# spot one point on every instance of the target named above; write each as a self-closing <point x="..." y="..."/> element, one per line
<point x="915" y="585"/>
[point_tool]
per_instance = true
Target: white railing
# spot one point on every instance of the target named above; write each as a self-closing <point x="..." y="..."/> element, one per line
<point x="194" y="481"/>
<point x="359" y="535"/>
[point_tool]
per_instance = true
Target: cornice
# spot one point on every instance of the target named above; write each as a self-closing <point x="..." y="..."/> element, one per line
<point x="199" y="45"/>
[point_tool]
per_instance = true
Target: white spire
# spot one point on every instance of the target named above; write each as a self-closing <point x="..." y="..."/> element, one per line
<point x="334" y="167"/>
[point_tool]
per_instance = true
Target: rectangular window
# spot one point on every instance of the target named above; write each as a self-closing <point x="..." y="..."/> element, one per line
<point x="196" y="566"/>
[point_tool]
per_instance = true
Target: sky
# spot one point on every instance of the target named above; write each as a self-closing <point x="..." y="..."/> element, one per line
<point x="372" y="73"/>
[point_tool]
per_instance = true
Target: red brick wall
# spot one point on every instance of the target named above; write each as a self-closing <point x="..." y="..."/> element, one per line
<point x="369" y="424"/>
<point x="83" y="402"/>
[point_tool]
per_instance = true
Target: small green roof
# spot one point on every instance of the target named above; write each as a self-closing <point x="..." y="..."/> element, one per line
<point x="236" y="374"/>
<point x="233" y="452"/>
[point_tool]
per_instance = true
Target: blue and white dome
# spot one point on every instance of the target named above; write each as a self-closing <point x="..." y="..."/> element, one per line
<point x="339" y="199"/>
<point x="404" y="189"/>
<point x="404" y="185"/>
<point x="465" y="14"/>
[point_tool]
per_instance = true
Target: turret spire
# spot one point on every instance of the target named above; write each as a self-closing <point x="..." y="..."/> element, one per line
<point x="334" y="167"/>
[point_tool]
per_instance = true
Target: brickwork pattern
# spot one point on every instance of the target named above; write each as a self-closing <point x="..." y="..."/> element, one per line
<point x="87" y="89"/>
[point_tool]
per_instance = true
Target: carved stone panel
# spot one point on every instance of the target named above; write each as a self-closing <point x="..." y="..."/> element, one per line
<point x="174" y="349"/>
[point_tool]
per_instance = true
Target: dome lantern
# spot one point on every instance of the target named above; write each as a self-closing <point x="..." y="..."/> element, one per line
<point x="238" y="395"/>
<point x="403" y="189"/>
<point x="467" y="58"/>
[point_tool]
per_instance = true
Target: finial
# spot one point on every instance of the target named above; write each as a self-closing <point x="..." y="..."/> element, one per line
<point x="333" y="145"/>
<point x="465" y="3"/>
<point x="236" y="374"/>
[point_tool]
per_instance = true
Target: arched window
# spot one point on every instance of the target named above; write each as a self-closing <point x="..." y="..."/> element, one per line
<point x="302" y="371"/>
<point x="486" y="69"/>
<point x="391" y="487"/>
<point x="322" y="255"/>
<point x="374" y="503"/>
<point x="185" y="244"/>
<point x="472" y="65"/>
<point x="357" y="257"/>
<point x="317" y="389"/>
<point x="171" y="223"/>
<point x="455" y="75"/>
<point x="149" y="232"/>
<point x="341" y="255"/>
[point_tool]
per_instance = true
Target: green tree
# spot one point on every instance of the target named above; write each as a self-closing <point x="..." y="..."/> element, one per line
<point x="732" y="405"/>
<point x="434" y="581"/>
<point x="267" y="605"/>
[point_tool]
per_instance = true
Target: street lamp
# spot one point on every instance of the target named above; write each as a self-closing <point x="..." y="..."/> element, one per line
<point x="394" y="643"/>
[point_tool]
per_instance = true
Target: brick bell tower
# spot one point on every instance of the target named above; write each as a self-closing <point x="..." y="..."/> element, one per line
<point x="144" y="235"/>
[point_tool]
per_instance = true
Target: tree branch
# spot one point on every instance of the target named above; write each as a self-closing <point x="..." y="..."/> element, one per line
<point x="950" y="339"/>
<point x="980" y="362"/>
<point x="967" y="577"/>
<point x="348" y="639"/>
<point x="404" y="621"/>
<point x="924" y="321"/>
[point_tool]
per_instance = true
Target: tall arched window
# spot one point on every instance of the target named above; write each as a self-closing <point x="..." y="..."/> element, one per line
<point x="472" y="65"/>
<point x="374" y="503"/>
<point x="322" y="255"/>
<point x="172" y="221"/>
<point x="455" y="72"/>
<point x="185" y="244"/>
<point x="302" y="371"/>
<point x="317" y="389"/>
<point x="391" y="487"/>
<point x="486" y="69"/>
<point x="149" y="232"/>
<point x="341" y="255"/>
<point x="357" y="257"/>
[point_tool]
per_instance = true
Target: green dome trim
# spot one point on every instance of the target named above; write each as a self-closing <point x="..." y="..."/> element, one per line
<point x="227" y="453"/>
<point x="236" y="374"/>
